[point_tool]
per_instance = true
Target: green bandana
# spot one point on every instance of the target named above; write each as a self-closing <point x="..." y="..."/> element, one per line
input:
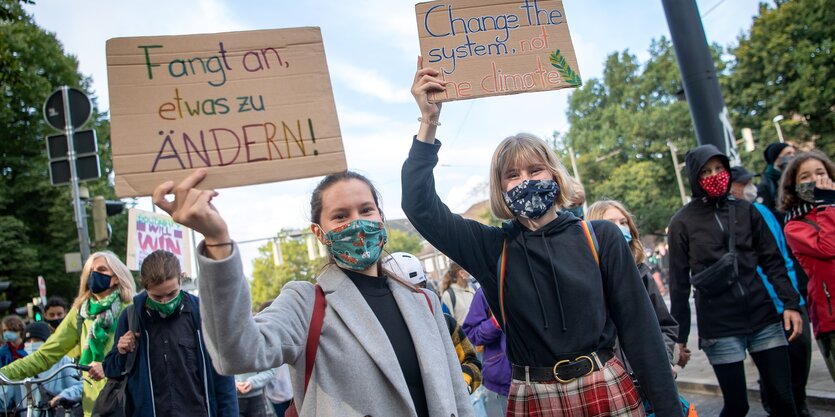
<point x="166" y="309"/>
<point x="103" y="313"/>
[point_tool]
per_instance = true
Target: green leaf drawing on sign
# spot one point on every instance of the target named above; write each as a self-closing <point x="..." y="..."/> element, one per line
<point x="571" y="77"/>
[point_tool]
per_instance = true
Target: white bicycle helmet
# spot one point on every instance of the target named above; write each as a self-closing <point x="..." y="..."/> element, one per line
<point x="406" y="266"/>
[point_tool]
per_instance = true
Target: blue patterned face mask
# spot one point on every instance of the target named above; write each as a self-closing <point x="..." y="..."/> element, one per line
<point x="358" y="244"/>
<point x="531" y="199"/>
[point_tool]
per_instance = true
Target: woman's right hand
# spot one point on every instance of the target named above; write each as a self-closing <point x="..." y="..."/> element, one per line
<point x="824" y="183"/>
<point x="192" y="207"/>
<point x="426" y="81"/>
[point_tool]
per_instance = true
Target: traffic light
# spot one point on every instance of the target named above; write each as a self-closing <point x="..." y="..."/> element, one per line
<point x="5" y="304"/>
<point x="102" y="209"/>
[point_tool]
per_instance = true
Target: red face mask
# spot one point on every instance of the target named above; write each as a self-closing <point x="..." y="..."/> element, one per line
<point x="716" y="185"/>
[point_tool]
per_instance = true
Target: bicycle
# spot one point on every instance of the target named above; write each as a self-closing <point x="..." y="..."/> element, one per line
<point x="29" y="382"/>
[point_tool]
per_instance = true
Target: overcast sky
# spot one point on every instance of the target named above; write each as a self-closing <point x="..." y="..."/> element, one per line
<point x="371" y="49"/>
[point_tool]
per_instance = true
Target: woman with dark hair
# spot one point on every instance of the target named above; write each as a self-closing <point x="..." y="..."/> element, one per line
<point x="807" y="195"/>
<point x="382" y="348"/>
<point x="456" y="293"/>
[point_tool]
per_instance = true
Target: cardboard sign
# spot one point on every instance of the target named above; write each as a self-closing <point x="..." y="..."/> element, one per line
<point x="251" y="107"/>
<point x="149" y="231"/>
<point x="497" y="47"/>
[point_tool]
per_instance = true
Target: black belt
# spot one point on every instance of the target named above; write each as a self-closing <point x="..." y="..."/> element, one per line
<point x="566" y="370"/>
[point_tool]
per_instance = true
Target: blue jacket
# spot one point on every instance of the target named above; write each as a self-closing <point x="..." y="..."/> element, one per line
<point x="780" y="238"/>
<point x="219" y="390"/>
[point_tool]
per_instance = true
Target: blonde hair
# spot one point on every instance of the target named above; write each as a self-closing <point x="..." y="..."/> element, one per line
<point x="127" y="289"/>
<point x="525" y="148"/>
<point x="598" y="209"/>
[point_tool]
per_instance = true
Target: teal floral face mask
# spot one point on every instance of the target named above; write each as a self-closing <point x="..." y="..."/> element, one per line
<point x="358" y="244"/>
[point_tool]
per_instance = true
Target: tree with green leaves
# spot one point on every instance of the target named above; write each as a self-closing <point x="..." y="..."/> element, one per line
<point x="620" y="127"/>
<point x="402" y="241"/>
<point x="36" y="219"/>
<point x="295" y="265"/>
<point x="785" y="65"/>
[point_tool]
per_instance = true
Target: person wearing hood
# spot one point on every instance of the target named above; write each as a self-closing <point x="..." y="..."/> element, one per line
<point x="807" y="195"/>
<point x="777" y="157"/>
<point x="562" y="291"/>
<point x="172" y="372"/>
<point x="734" y="311"/>
<point x="800" y="349"/>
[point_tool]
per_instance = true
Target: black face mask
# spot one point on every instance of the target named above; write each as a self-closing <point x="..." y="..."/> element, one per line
<point x="54" y="323"/>
<point x="98" y="282"/>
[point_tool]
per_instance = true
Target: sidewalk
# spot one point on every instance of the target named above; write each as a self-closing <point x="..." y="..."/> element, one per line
<point x="698" y="375"/>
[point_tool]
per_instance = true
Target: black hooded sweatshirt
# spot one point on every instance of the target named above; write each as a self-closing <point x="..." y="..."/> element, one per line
<point x="698" y="237"/>
<point x="559" y="303"/>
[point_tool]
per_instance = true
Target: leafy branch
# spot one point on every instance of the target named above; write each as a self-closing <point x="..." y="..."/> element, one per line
<point x="571" y="77"/>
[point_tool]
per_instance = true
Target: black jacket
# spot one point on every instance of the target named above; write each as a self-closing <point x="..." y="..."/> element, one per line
<point x="559" y="303"/>
<point x="697" y="240"/>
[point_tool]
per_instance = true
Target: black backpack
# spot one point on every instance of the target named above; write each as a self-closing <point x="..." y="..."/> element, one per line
<point x="113" y="400"/>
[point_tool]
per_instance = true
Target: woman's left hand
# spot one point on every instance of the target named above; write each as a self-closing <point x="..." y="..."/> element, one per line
<point x="96" y="371"/>
<point x="794" y="322"/>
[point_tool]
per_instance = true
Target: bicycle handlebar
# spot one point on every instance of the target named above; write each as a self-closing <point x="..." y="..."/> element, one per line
<point x="30" y="380"/>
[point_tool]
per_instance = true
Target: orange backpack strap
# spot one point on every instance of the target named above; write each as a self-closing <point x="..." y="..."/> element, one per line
<point x="591" y="239"/>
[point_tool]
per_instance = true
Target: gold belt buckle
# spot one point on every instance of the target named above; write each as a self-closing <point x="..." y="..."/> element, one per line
<point x="565" y="381"/>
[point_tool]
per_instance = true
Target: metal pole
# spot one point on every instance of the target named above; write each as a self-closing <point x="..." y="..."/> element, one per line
<point x="677" y="168"/>
<point x="776" y="120"/>
<point x="576" y="172"/>
<point x="698" y="74"/>
<point x="80" y="215"/>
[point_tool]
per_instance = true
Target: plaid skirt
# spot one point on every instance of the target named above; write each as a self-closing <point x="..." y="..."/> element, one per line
<point x="607" y="392"/>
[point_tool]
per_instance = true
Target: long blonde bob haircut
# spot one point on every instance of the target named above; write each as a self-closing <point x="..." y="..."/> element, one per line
<point x="520" y="150"/>
<point x="127" y="289"/>
<point x="597" y="211"/>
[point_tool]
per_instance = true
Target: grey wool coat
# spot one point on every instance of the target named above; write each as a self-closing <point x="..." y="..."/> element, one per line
<point x="356" y="372"/>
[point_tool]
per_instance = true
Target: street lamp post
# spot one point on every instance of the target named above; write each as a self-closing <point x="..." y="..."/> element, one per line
<point x="678" y="168"/>
<point x="776" y="120"/>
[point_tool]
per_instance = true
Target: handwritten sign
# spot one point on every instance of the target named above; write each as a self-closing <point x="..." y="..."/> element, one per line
<point x="497" y="47"/>
<point x="251" y="107"/>
<point x="148" y="232"/>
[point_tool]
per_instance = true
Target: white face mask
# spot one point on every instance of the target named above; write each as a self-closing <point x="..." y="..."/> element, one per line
<point x="32" y="346"/>
<point x="750" y="192"/>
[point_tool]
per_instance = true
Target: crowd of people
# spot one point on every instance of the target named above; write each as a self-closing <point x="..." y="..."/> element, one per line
<point x="557" y="312"/>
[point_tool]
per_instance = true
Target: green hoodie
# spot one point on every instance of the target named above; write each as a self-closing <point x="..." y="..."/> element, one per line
<point x="63" y="342"/>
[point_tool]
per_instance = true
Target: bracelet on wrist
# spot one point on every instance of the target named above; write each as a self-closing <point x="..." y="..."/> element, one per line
<point x="214" y="245"/>
<point x="429" y="122"/>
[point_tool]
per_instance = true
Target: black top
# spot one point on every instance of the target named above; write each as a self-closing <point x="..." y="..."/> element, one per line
<point x="175" y="371"/>
<point x="559" y="303"/>
<point x="698" y="237"/>
<point x="379" y="297"/>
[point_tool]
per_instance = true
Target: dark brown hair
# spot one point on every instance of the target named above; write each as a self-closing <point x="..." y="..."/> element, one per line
<point x="159" y="267"/>
<point x="788" y="198"/>
<point x="328" y="182"/>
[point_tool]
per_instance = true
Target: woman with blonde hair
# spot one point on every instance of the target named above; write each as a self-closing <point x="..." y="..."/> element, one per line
<point x="615" y="212"/>
<point x="87" y="331"/>
<point x="562" y="289"/>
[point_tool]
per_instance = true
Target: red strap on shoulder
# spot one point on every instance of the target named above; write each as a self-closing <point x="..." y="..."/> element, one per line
<point x="319" y="304"/>
<point x="428" y="301"/>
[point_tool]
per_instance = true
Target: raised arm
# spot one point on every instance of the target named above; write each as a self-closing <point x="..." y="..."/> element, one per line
<point x="473" y="245"/>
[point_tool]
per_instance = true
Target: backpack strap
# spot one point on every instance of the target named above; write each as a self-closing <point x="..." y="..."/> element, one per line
<point x="428" y="302"/>
<point x="133" y="327"/>
<point x="319" y="304"/>
<point x="451" y="297"/>
<point x="591" y="239"/>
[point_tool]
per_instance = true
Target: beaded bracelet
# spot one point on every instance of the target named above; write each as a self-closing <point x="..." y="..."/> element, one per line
<point x="429" y="122"/>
